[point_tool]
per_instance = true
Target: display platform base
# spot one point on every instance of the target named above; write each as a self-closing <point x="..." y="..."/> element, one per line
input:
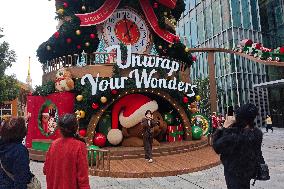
<point x="37" y="155"/>
<point x="39" y="149"/>
<point x="166" y="148"/>
<point x="168" y="165"/>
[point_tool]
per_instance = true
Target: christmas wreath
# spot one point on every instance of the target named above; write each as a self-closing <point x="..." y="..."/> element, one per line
<point x="47" y="121"/>
<point x="202" y="121"/>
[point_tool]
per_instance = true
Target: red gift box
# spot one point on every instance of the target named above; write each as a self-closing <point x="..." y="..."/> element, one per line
<point x="175" y="133"/>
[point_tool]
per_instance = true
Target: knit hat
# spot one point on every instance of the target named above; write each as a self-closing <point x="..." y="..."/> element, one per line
<point x="129" y="111"/>
<point x="247" y="112"/>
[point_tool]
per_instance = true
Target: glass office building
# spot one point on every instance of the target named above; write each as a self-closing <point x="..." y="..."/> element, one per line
<point x="222" y="24"/>
<point x="272" y="26"/>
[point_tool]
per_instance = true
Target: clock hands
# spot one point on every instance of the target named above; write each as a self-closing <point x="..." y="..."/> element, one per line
<point x="131" y="26"/>
<point x="127" y="29"/>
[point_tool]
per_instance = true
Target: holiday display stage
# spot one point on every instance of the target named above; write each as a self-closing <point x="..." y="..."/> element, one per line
<point x="109" y="62"/>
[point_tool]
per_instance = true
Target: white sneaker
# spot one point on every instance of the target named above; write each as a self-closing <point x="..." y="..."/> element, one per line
<point x="150" y="160"/>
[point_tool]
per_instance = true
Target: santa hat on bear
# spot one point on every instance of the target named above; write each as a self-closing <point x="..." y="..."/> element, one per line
<point x="129" y="111"/>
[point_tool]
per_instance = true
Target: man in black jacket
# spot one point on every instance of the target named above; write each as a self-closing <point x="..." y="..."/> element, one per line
<point x="148" y="124"/>
<point x="240" y="148"/>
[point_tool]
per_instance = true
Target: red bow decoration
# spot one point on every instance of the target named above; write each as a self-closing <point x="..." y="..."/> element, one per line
<point x="107" y="9"/>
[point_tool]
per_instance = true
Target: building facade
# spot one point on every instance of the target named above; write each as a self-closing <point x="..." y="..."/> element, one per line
<point x="272" y="25"/>
<point x="18" y="106"/>
<point x="222" y="24"/>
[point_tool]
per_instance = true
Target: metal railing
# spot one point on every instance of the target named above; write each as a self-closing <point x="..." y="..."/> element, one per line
<point x="71" y="60"/>
<point x="95" y="58"/>
<point x="99" y="161"/>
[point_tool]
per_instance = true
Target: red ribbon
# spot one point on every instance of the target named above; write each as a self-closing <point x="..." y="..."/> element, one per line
<point x="107" y="9"/>
<point x="168" y="3"/>
<point x="153" y="21"/>
<point x="100" y="15"/>
<point x="59" y="79"/>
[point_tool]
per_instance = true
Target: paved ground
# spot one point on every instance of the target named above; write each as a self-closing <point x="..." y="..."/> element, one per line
<point x="273" y="151"/>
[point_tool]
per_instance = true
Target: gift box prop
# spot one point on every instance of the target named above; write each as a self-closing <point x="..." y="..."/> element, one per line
<point x="175" y="133"/>
<point x="45" y="111"/>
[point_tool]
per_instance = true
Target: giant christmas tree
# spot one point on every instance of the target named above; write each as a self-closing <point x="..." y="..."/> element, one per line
<point x="120" y="58"/>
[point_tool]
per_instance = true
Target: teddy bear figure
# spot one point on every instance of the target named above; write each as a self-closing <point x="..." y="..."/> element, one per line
<point x="129" y="112"/>
<point x="63" y="81"/>
<point x="133" y="137"/>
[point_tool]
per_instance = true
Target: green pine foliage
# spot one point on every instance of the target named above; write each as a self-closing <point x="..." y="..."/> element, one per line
<point x="45" y="89"/>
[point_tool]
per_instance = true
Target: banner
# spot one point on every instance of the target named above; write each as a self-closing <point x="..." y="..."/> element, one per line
<point x="99" y="16"/>
<point x="145" y="79"/>
<point x="153" y="21"/>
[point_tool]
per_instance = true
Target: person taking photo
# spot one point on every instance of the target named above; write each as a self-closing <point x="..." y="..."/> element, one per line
<point x="240" y="148"/>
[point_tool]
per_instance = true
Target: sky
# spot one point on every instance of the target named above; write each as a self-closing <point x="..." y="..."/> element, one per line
<point x="26" y="24"/>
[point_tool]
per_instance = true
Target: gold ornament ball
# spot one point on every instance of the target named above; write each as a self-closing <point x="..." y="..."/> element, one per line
<point x="48" y="48"/>
<point x="170" y="45"/>
<point x="165" y="13"/>
<point x="83" y="8"/>
<point x="186" y="49"/>
<point x="82" y="114"/>
<point x="198" y="98"/>
<point x="160" y="47"/>
<point x="78" y="32"/>
<point x="60" y="11"/>
<point x="79" y="98"/>
<point x="103" y="99"/>
<point x="87" y="44"/>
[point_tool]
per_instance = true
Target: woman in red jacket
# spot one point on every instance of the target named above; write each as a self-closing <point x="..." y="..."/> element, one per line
<point x="66" y="164"/>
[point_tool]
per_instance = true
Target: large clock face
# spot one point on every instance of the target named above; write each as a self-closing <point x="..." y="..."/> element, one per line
<point x="128" y="27"/>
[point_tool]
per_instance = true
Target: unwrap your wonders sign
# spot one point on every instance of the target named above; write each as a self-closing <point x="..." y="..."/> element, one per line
<point x="144" y="79"/>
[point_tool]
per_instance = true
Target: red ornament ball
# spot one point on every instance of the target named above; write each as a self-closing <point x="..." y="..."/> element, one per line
<point x="65" y="5"/>
<point x="95" y="106"/>
<point x="56" y="35"/>
<point x="114" y="92"/>
<point x="79" y="47"/>
<point x="82" y="132"/>
<point x="68" y="40"/>
<point x="156" y="5"/>
<point x="176" y="39"/>
<point x="99" y="140"/>
<point x="92" y="36"/>
<point x="194" y="58"/>
<point x="185" y="99"/>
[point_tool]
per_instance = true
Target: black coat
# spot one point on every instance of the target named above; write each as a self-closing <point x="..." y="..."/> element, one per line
<point x="240" y="150"/>
<point x="148" y="129"/>
<point x="15" y="159"/>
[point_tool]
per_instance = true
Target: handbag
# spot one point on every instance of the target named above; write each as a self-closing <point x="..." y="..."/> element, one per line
<point x="262" y="172"/>
<point x="34" y="183"/>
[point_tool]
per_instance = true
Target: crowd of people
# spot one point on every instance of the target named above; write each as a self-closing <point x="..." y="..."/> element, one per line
<point x="235" y="138"/>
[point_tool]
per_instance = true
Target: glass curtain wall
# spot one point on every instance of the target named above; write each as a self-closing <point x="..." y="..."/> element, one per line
<point x="222" y="24"/>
